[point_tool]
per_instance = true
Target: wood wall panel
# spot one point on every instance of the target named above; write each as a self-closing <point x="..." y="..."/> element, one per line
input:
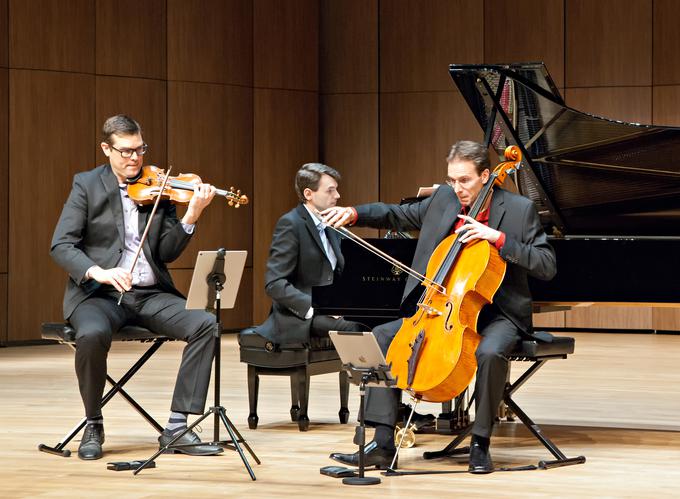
<point x="418" y="41"/>
<point x="349" y="142"/>
<point x="210" y="41"/>
<point x="348" y="58"/>
<point x="632" y="104"/>
<point x="285" y="137"/>
<point x="610" y="317"/>
<point x="666" y="319"/>
<point x="549" y="319"/>
<point x="232" y="319"/>
<point x="120" y="22"/>
<point x="4" y="39"/>
<point x="666" y="60"/>
<point x="4" y="166"/>
<point x="416" y="133"/>
<point x="3" y="309"/>
<point x="505" y="39"/>
<point x="51" y="135"/>
<point x="142" y="99"/>
<point x="210" y="133"/>
<point x="286" y="44"/>
<point x="666" y="105"/>
<point x="609" y="43"/>
<point x="53" y="34"/>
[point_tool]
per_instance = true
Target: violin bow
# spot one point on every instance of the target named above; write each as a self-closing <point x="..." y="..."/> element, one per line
<point x="146" y="229"/>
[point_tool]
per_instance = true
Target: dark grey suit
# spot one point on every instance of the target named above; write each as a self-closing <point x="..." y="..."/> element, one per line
<point x="297" y="262"/>
<point x="90" y="232"/>
<point x="526" y="251"/>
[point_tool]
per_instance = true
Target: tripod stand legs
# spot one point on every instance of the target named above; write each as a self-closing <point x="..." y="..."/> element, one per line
<point x="233" y="444"/>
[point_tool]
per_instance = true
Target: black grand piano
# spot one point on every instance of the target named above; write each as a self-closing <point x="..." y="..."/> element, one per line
<point x="608" y="194"/>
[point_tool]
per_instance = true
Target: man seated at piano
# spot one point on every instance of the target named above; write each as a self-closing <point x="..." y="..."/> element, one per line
<point x="510" y="222"/>
<point x="303" y="254"/>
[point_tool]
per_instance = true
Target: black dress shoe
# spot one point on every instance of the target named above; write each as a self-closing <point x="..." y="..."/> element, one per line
<point x="91" y="444"/>
<point x="193" y="443"/>
<point x="419" y="420"/>
<point x="480" y="459"/>
<point x="373" y="456"/>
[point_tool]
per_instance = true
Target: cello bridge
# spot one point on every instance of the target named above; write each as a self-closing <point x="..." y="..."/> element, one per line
<point x="430" y="311"/>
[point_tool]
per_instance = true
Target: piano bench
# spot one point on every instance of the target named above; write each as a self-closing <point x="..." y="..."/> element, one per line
<point x="299" y="362"/>
<point x="66" y="335"/>
<point x="538" y="353"/>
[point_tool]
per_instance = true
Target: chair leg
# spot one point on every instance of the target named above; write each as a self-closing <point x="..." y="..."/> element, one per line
<point x="253" y="391"/>
<point x="303" y="387"/>
<point x="344" y="397"/>
<point x="294" y="397"/>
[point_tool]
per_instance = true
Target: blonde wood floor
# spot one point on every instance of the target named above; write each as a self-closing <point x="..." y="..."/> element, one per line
<point x="616" y="401"/>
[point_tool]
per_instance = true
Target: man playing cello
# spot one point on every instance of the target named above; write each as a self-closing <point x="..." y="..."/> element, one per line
<point x="510" y="223"/>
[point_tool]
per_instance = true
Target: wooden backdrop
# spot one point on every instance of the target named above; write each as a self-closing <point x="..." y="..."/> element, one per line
<point x="244" y="91"/>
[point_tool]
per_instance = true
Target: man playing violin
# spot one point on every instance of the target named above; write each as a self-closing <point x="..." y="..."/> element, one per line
<point x="304" y="254"/>
<point x="510" y="223"/>
<point x="95" y="241"/>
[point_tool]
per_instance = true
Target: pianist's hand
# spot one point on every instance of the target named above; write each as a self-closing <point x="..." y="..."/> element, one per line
<point x="476" y="230"/>
<point x="337" y="216"/>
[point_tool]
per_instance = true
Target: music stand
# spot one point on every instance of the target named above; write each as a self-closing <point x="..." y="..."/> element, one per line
<point x="364" y="362"/>
<point x="206" y="292"/>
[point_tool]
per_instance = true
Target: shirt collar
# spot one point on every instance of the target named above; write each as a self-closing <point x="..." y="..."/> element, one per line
<point x="315" y="219"/>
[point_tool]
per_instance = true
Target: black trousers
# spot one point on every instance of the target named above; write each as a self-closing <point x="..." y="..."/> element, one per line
<point x="98" y="317"/>
<point x="321" y="324"/>
<point x="499" y="336"/>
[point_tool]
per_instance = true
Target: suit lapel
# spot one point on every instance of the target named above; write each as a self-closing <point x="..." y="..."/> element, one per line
<point x="449" y="215"/>
<point x="311" y="228"/>
<point x="334" y="239"/>
<point x="113" y="194"/>
<point x="497" y="208"/>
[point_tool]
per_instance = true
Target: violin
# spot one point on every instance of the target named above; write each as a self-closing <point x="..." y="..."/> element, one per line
<point x="144" y="188"/>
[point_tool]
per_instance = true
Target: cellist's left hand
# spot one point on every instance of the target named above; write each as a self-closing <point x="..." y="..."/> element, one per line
<point x="476" y="230"/>
<point x="203" y="195"/>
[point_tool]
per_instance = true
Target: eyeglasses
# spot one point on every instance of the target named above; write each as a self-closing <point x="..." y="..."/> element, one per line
<point x="127" y="153"/>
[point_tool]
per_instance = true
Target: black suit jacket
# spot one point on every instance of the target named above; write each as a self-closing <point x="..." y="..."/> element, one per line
<point x="297" y="262"/>
<point x="90" y="232"/>
<point x="526" y="249"/>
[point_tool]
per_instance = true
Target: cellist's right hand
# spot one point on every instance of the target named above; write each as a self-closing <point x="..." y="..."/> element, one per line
<point x="337" y="216"/>
<point x="117" y="277"/>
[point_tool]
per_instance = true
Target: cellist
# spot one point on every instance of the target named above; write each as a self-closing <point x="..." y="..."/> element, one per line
<point x="508" y="221"/>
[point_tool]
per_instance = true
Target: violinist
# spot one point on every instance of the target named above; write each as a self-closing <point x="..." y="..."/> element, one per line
<point x="95" y="240"/>
<point x="511" y="224"/>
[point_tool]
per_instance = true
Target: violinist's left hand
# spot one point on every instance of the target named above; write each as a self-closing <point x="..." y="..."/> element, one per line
<point x="203" y="195"/>
<point x="476" y="230"/>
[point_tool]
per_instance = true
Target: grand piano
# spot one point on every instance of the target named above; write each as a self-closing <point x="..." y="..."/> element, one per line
<point x="608" y="194"/>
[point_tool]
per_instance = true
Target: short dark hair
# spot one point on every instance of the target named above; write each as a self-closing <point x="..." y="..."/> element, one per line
<point x="309" y="176"/>
<point x="467" y="150"/>
<point x="119" y="125"/>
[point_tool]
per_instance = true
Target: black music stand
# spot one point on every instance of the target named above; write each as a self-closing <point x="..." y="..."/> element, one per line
<point x="364" y="362"/>
<point x="205" y="292"/>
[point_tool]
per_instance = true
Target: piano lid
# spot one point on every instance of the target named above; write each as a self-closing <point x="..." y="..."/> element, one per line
<point x="587" y="175"/>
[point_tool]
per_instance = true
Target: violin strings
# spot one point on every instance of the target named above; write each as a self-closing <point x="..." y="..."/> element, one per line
<point x="180" y="184"/>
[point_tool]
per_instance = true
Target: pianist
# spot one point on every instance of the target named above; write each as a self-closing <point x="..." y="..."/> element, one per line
<point x="509" y="222"/>
<point x="304" y="254"/>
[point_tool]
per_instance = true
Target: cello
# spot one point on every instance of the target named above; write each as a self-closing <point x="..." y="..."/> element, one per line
<point x="433" y="353"/>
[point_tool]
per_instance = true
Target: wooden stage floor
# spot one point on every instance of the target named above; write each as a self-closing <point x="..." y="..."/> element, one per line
<point x="616" y="401"/>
